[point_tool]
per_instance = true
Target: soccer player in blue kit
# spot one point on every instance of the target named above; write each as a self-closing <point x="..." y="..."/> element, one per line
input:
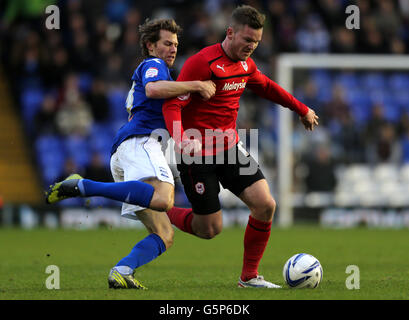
<point x="143" y="179"/>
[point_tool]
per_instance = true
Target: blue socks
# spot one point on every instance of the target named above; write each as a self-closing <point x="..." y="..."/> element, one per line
<point x="144" y="251"/>
<point x="133" y="192"/>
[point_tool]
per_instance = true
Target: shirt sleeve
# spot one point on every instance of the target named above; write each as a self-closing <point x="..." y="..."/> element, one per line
<point x="195" y="68"/>
<point x="268" y="89"/>
<point x="154" y="70"/>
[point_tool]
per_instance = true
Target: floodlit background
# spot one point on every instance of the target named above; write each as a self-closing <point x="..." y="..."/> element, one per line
<point x="63" y="92"/>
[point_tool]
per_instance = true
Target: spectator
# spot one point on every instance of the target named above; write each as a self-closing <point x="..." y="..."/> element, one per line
<point x="397" y="46"/>
<point x="312" y="37"/>
<point x="388" y="21"/>
<point x="96" y="170"/>
<point x="74" y="115"/>
<point x="371" y="40"/>
<point x="130" y="51"/>
<point x="320" y="175"/>
<point x="98" y="101"/>
<point x="106" y="49"/>
<point x="337" y="107"/>
<point x="82" y="58"/>
<point x="69" y="168"/>
<point x="113" y="74"/>
<point x="57" y="68"/>
<point x="100" y="29"/>
<point x="403" y="125"/>
<point x="405" y="147"/>
<point x="45" y="122"/>
<point x="32" y="67"/>
<point x="349" y="139"/>
<point x="332" y="12"/>
<point x="386" y="149"/>
<point x="376" y="121"/>
<point x="133" y="19"/>
<point x="343" y="41"/>
<point x="286" y="34"/>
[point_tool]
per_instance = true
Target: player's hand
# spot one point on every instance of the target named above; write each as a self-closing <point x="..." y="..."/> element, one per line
<point x="310" y="120"/>
<point x="207" y="89"/>
<point x="190" y="146"/>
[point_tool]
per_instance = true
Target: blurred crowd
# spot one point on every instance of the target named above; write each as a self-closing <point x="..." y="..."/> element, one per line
<point x="71" y="84"/>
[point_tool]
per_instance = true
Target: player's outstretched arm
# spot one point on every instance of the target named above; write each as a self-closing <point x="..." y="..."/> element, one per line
<point x="266" y="88"/>
<point x="169" y="89"/>
<point x="310" y="120"/>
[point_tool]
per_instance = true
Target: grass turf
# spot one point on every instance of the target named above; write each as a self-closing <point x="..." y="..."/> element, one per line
<point x="196" y="269"/>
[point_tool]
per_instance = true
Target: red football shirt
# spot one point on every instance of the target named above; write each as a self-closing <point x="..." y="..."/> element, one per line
<point x="215" y="118"/>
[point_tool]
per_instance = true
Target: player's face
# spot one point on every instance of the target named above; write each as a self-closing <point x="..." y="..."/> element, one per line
<point x="244" y="40"/>
<point x="166" y="47"/>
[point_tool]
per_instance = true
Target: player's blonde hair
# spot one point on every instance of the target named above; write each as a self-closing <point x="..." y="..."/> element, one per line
<point x="150" y="31"/>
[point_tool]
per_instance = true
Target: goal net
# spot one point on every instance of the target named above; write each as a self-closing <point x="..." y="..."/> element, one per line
<point x="371" y="172"/>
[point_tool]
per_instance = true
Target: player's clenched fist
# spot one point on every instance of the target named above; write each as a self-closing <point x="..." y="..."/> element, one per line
<point x="208" y="89"/>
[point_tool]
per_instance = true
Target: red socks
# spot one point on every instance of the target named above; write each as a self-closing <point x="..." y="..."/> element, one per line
<point x="255" y="241"/>
<point x="181" y="218"/>
<point x="255" y="238"/>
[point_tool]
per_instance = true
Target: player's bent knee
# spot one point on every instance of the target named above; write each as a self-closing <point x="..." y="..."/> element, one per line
<point x="265" y="211"/>
<point x="209" y="232"/>
<point x="206" y="234"/>
<point x="164" y="204"/>
<point x="162" y="201"/>
<point x="207" y="226"/>
<point x="272" y="206"/>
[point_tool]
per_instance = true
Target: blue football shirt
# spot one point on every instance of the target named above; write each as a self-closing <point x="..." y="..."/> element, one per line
<point x="145" y="114"/>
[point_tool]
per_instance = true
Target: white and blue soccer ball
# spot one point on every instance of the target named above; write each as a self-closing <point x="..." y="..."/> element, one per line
<point x="302" y="270"/>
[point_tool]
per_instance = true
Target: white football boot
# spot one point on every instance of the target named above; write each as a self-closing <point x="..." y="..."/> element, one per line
<point x="257" y="282"/>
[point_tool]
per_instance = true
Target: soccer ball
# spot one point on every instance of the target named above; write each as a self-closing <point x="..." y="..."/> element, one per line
<point x="302" y="270"/>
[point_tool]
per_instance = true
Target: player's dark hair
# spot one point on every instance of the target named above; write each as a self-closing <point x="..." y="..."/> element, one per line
<point x="247" y="15"/>
<point x="150" y="31"/>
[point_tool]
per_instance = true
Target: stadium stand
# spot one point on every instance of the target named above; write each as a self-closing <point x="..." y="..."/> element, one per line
<point x="19" y="180"/>
<point x="70" y="85"/>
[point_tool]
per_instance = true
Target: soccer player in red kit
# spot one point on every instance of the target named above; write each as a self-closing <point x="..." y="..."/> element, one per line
<point x="229" y="66"/>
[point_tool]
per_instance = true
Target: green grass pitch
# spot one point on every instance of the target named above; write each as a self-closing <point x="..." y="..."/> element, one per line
<point x="201" y="269"/>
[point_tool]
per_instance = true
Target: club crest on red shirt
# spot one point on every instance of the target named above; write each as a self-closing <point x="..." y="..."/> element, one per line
<point x="200" y="188"/>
